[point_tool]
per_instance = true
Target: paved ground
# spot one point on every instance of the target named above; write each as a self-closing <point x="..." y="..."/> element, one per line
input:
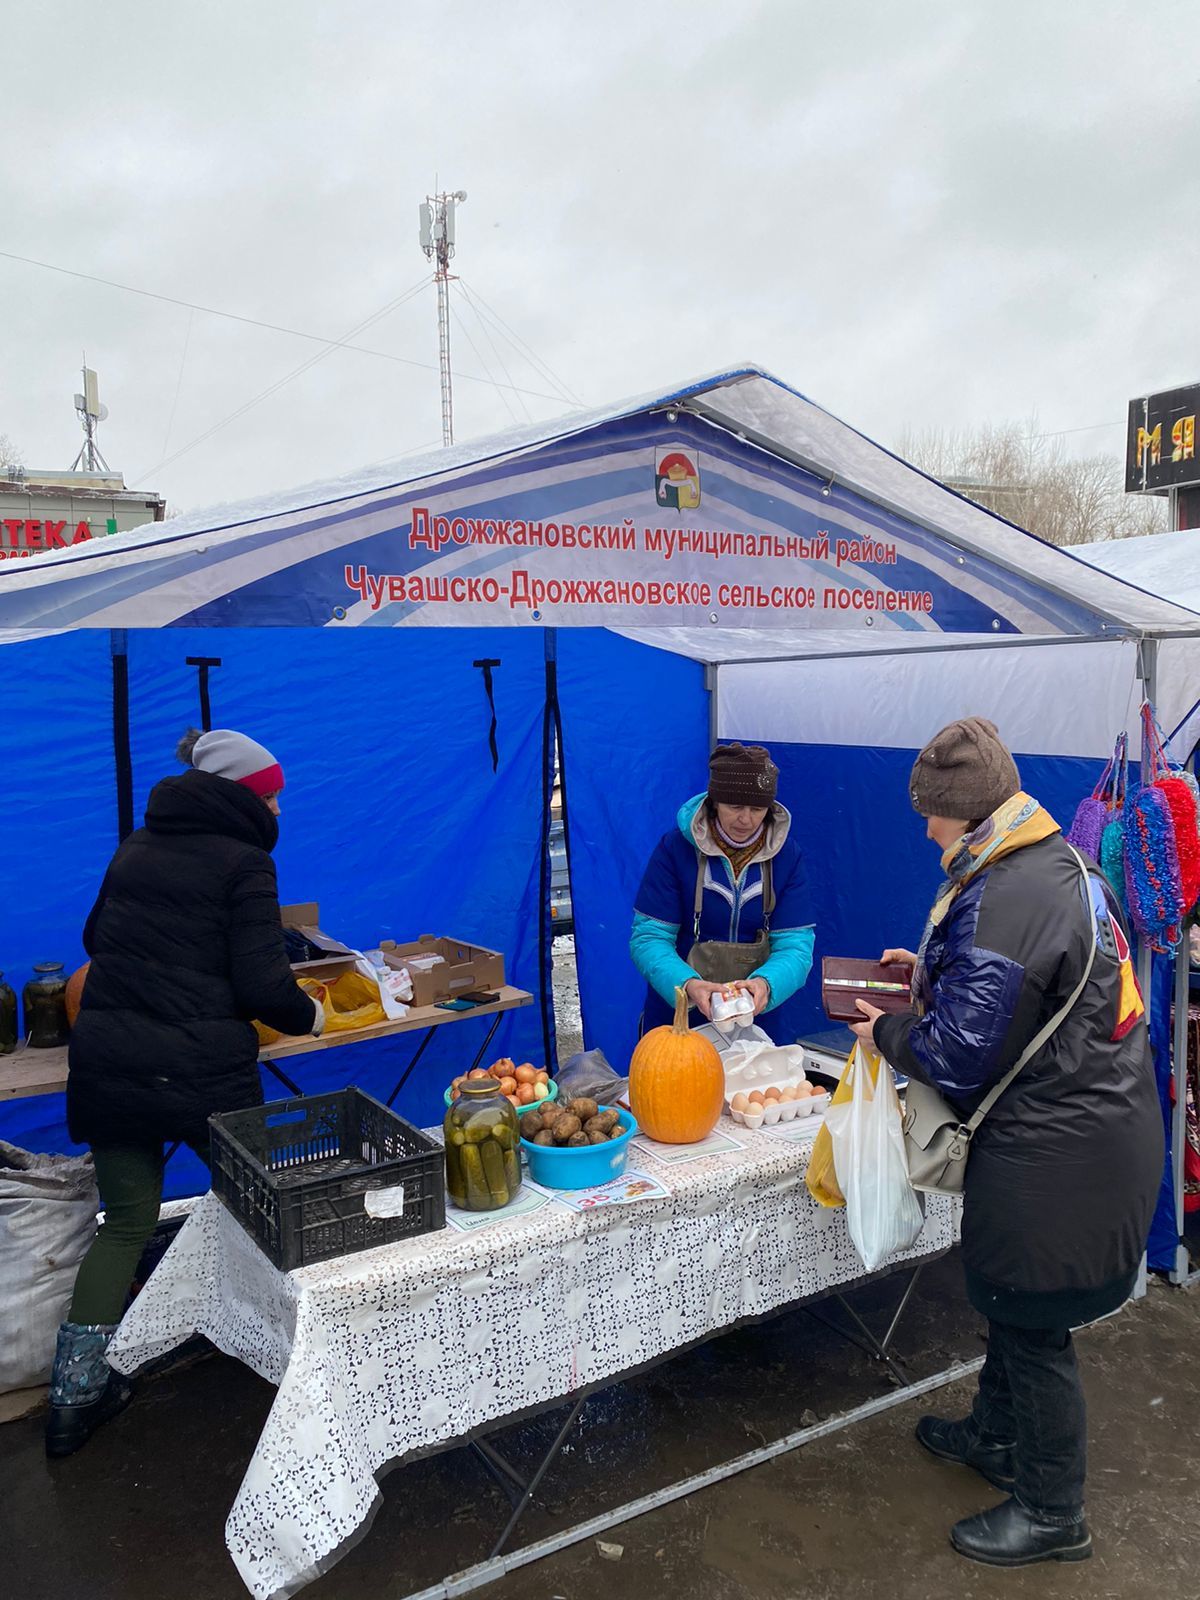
<point x="138" y="1514"/>
<point x="567" y="1019"/>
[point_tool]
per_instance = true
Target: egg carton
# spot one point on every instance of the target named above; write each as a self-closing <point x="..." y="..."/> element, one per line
<point x="775" y="1071"/>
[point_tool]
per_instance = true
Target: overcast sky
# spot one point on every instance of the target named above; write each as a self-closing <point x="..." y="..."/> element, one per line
<point x="931" y="212"/>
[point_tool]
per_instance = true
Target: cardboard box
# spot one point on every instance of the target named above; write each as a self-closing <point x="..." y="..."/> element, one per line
<point x="306" y="919"/>
<point x="464" y="968"/>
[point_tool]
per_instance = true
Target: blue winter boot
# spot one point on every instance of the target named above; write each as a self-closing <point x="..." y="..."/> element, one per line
<point x="84" y="1390"/>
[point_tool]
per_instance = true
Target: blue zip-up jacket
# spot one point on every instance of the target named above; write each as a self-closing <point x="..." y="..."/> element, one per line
<point x="664" y="911"/>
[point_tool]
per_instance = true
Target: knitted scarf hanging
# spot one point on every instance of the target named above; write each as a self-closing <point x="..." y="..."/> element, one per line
<point x="1179" y="790"/>
<point x="1152" y="873"/>
<point x="1095" y="811"/>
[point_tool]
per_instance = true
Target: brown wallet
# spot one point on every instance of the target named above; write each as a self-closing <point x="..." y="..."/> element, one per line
<point x="843" y="983"/>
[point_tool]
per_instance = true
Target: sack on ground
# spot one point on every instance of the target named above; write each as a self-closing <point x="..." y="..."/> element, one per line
<point x="866" y="1132"/>
<point x="48" y="1207"/>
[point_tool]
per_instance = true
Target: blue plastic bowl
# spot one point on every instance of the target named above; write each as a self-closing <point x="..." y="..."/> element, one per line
<point x="520" y="1110"/>
<point x="560" y="1168"/>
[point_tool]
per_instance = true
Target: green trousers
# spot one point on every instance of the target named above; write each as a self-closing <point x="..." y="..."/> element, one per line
<point x="130" y="1180"/>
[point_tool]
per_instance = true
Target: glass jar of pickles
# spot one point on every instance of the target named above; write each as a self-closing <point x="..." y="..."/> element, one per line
<point x="483" y="1156"/>
<point x="46" y="1024"/>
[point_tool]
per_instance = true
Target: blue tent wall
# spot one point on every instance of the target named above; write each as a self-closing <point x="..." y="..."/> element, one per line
<point x="56" y="754"/>
<point x="635" y="741"/>
<point x="393" y="819"/>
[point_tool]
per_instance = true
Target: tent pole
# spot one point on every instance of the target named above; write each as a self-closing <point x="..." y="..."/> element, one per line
<point x="712" y="684"/>
<point x="1179" y="1272"/>
<point x="1148" y="673"/>
<point x="118" y="641"/>
<point x="1147" y="670"/>
<point x="545" y="952"/>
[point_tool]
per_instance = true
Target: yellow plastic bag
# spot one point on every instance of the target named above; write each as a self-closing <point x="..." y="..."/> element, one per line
<point x="349" y="1002"/>
<point x="821" y="1177"/>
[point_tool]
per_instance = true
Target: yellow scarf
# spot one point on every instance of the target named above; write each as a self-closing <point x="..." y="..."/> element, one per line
<point x="1017" y="823"/>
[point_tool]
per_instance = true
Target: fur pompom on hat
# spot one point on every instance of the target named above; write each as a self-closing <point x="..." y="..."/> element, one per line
<point x="235" y="756"/>
<point x="964" y="772"/>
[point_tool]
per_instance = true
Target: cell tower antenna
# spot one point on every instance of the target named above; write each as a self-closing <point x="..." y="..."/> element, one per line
<point x="91" y="413"/>
<point x="438" y="242"/>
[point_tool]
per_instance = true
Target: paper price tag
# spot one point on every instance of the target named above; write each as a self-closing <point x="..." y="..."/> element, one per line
<point x="384" y="1202"/>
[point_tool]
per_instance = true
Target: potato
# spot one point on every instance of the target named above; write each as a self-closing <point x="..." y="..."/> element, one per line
<point x="596" y="1124"/>
<point x="544" y="1137"/>
<point x="597" y="1136"/>
<point x="551" y="1110"/>
<point x="566" y="1126"/>
<point x="609" y="1119"/>
<point x="530" y="1124"/>
<point x="577" y="1141"/>
<point x="583" y="1108"/>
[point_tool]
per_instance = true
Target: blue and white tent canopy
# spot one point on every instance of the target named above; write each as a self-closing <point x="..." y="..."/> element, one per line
<point x="730" y="502"/>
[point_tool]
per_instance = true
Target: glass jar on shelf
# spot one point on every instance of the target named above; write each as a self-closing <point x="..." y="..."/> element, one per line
<point x="8" y="1018"/>
<point x="46" y="1024"/>
<point x="483" y="1153"/>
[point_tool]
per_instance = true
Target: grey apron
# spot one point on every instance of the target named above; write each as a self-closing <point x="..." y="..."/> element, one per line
<point x="719" y="961"/>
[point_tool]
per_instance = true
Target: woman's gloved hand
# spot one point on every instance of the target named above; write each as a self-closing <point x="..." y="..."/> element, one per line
<point x="318" y="1027"/>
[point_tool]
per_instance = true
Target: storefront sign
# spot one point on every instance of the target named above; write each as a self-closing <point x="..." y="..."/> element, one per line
<point x="25" y="536"/>
<point x="1161" y="449"/>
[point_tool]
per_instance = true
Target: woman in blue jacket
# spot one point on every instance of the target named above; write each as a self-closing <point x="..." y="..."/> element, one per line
<point x="723" y="898"/>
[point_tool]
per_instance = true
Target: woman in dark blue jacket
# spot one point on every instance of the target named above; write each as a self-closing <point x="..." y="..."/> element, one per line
<point x="1064" y="1169"/>
<point x="723" y="898"/>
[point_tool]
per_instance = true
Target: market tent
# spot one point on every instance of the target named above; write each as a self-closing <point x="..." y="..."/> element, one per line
<point x="730" y="508"/>
<point x="1166" y="564"/>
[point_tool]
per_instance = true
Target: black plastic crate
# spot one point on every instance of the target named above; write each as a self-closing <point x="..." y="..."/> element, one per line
<point x="295" y="1173"/>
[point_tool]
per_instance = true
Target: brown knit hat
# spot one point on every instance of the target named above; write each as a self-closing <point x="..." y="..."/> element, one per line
<point x="964" y="772"/>
<point x="741" y="775"/>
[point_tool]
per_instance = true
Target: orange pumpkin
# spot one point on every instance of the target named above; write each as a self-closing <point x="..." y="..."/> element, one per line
<point x="74" y="996"/>
<point x="676" y="1082"/>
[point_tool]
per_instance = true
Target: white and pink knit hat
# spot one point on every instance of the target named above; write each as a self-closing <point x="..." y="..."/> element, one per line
<point x="232" y="755"/>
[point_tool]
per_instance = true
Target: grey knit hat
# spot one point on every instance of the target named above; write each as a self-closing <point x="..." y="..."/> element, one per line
<point x="239" y="758"/>
<point x="964" y="772"/>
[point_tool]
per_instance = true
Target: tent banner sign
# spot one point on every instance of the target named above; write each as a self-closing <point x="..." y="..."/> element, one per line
<point x="1160" y="452"/>
<point x="650" y="520"/>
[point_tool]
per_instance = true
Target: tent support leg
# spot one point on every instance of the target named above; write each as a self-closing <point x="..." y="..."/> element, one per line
<point x="407" y="1073"/>
<point x="865" y="1340"/>
<point x="509" y="1479"/>
<point x="122" y="755"/>
<point x="1179" y="1078"/>
<point x="277" y="1072"/>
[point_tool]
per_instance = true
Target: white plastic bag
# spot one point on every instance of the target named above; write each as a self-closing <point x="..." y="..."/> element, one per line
<point x="48" y="1207"/>
<point x="882" y="1209"/>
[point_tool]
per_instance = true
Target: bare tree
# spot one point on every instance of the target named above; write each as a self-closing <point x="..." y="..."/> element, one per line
<point x="10" y="456"/>
<point x="1030" y="479"/>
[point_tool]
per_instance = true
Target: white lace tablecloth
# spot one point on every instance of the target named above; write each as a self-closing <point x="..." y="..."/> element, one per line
<point x="400" y="1349"/>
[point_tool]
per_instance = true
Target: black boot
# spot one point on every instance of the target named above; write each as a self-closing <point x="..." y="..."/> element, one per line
<point x="961" y="1443"/>
<point x="84" y="1390"/>
<point x="1010" y="1536"/>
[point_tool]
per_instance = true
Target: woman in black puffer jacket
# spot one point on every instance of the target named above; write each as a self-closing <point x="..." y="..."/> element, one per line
<point x="1064" y="1169"/>
<point x="186" y="949"/>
